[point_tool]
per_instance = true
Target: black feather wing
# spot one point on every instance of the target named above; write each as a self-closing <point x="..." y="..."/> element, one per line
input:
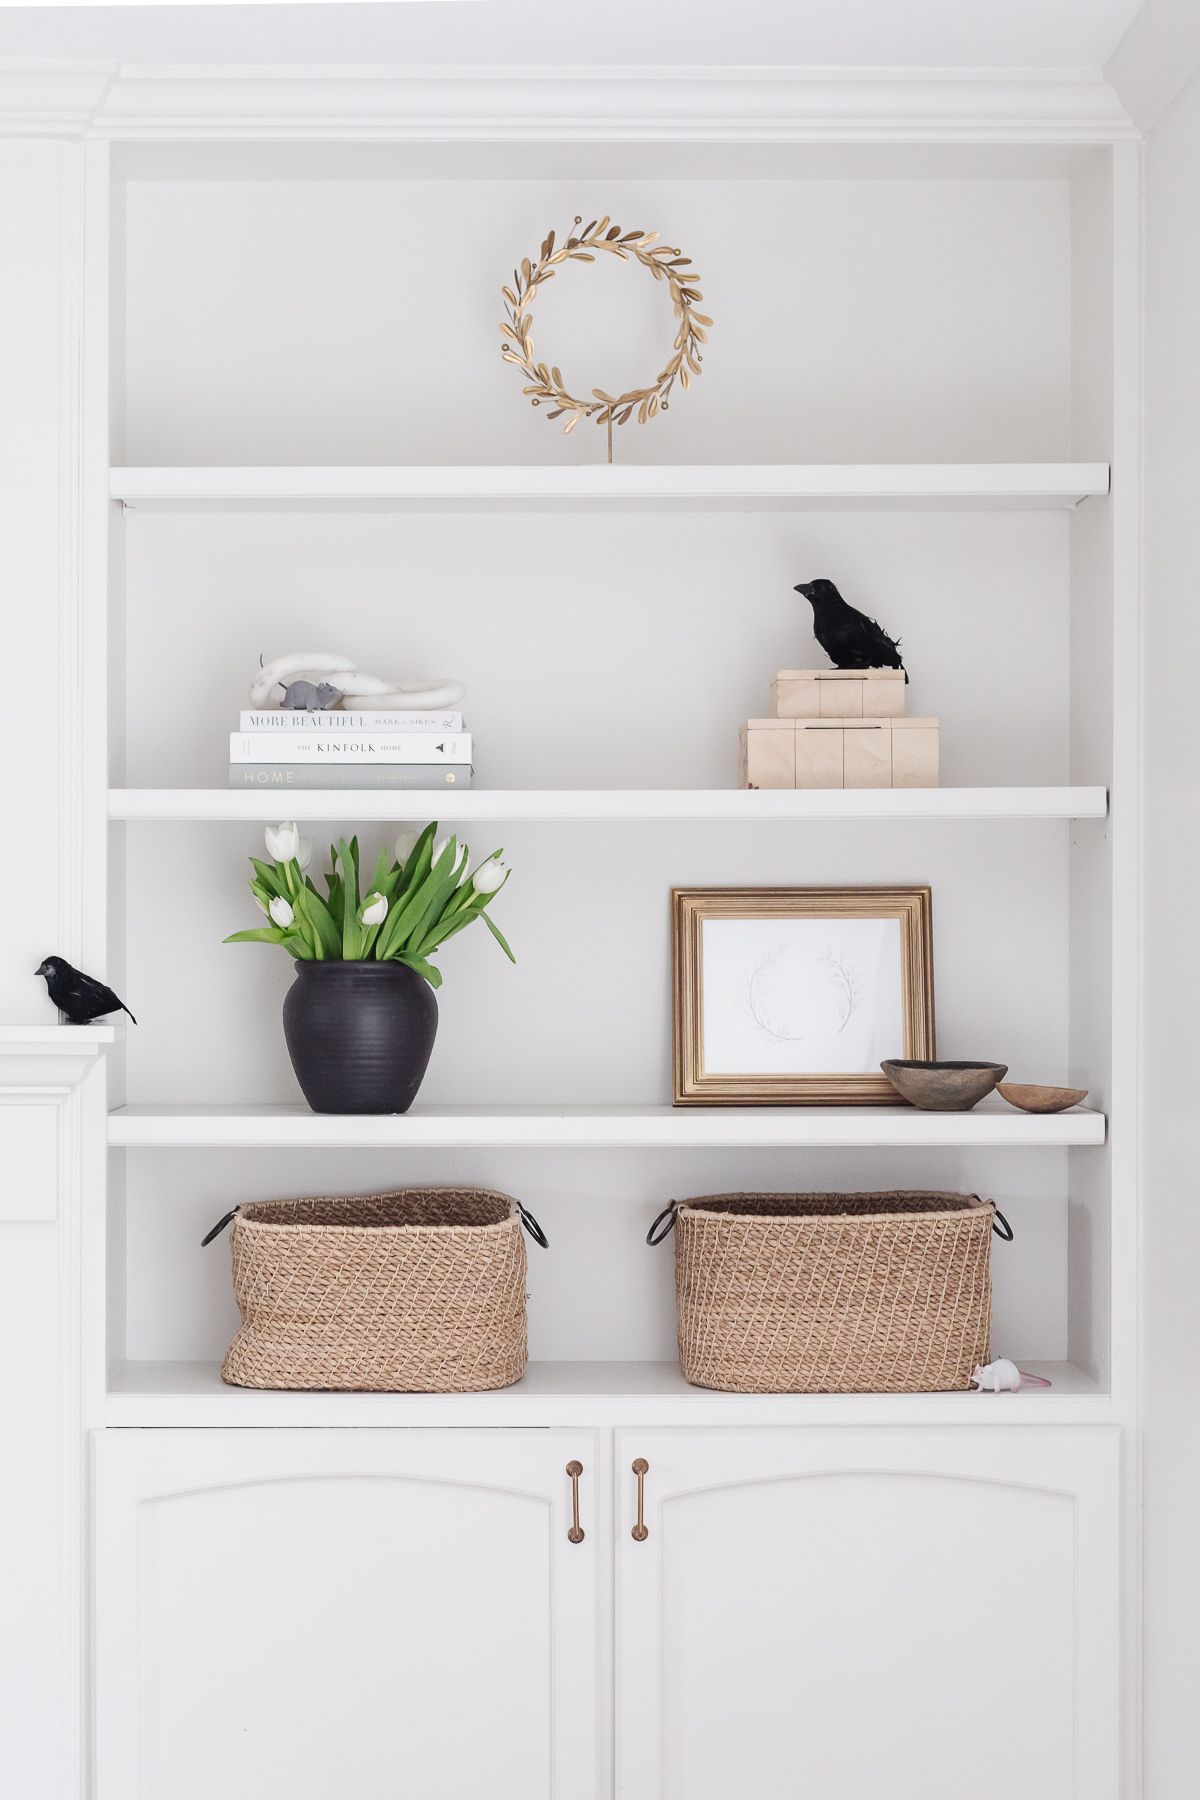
<point x="82" y="998"/>
<point x="853" y="641"/>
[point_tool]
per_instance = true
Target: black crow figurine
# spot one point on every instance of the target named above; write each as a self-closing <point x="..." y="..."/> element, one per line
<point x="77" y="995"/>
<point x="849" y="639"/>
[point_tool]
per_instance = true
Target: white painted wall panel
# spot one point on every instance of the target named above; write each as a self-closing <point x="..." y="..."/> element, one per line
<point x="34" y="1595"/>
<point x="585" y="1016"/>
<point x="1172" y="960"/>
<point x="357" y="321"/>
<point x="29" y="1131"/>
<point x="619" y="650"/>
<point x="38" y="357"/>
<point x="37" y="384"/>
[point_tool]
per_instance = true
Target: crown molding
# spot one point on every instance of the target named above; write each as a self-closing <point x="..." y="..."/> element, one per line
<point x="535" y="105"/>
<point x="53" y="99"/>
<point x="1156" y="59"/>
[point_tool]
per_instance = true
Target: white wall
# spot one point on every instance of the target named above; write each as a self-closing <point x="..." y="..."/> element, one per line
<point x="602" y="650"/>
<point x="36" y="488"/>
<point x="38" y="357"/>
<point x="1172" y="949"/>
<point x="358" y="321"/>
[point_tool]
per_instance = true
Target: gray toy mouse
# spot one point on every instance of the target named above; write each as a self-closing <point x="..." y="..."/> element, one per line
<point x="308" y="696"/>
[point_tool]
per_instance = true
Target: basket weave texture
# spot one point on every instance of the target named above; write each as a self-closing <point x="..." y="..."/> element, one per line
<point x="833" y="1293"/>
<point x="419" y="1291"/>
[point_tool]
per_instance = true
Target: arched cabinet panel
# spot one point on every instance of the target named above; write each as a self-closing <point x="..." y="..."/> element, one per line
<point x="344" y="1613"/>
<point x="869" y="1616"/>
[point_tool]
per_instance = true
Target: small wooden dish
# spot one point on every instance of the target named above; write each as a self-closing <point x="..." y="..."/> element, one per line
<point x="943" y="1086"/>
<point x="1029" y="1097"/>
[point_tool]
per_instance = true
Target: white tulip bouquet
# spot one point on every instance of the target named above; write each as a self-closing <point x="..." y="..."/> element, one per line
<point x="416" y="899"/>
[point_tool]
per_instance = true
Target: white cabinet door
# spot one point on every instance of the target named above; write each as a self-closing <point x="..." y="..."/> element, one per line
<point x="868" y="1615"/>
<point x="345" y="1615"/>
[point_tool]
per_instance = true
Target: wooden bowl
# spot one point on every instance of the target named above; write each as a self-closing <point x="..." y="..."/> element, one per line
<point x="1031" y="1098"/>
<point x="943" y="1086"/>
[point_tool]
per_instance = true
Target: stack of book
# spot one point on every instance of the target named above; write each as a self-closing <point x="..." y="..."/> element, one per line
<point x="281" y="749"/>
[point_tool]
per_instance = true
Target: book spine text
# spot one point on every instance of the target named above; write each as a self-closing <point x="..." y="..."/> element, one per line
<point x="355" y="747"/>
<point x="284" y="775"/>
<point x="280" y="719"/>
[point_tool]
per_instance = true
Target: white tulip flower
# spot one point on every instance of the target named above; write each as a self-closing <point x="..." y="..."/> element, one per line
<point x="406" y="843"/>
<point x="304" y="853"/>
<point x="283" y="841"/>
<point x="374" y="910"/>
<point x="462" y="859"/>
<point x="489" y="876"/>
<point x="281" y="912"/>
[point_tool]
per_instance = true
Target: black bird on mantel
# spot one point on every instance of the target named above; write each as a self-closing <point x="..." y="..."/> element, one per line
<point x="78" y="996"/>
<point x="849" y="639"/>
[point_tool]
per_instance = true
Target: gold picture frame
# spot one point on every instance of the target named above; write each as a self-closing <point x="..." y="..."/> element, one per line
<point x="880" y="981"/>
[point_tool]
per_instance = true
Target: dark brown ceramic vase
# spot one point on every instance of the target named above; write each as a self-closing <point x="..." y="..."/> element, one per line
<point x="360" y="1034"/>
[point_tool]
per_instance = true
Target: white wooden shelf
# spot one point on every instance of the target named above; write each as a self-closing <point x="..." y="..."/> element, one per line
<point x="581" y="1394"/>
<point x="598" y="1127"/>
<point x="69" y="1038"/>
<point x="737" y="486"/>
<point x="613" y="804"/>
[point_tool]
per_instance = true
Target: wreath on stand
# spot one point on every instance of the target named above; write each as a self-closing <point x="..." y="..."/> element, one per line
<point x="545" y="380"/>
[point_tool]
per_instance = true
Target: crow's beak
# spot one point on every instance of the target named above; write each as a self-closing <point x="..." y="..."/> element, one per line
<point x="40" y="970"/>
<point x="805" y="588"/>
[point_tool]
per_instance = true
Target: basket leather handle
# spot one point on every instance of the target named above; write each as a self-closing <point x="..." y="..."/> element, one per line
<point x="533" y="1228"/>
<point x="663" y="1226"/>
<point x="219" y="1227"/>
<point x="1001" y="1226"/>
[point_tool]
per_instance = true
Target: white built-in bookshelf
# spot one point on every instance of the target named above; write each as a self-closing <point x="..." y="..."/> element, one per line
<point x="615" y="625"/>
<point x="294" y="430"/>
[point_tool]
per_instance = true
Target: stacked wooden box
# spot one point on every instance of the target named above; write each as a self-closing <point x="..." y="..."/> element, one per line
<point x="839" y="728"/>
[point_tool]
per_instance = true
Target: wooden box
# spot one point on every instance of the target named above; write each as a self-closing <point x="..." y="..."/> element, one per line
<point x="839" y="693"/>
<point x="840" y="753"/>
<point x="769" y="753"/>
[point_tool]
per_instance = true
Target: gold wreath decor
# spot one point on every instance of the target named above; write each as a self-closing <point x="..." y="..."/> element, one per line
<point x="546" y="382"/>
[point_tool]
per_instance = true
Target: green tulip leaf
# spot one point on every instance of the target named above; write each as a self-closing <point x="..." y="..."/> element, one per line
<point x="406" y="921"/>
<point x="327" y="936"/>
<point x="498" y="934"/>
<point x="428" y="904"/>
<point x="432" y="975"/>
<point x="352" y="927"/>
<point x="268" y="874"/>
<point x="445" y="929"/>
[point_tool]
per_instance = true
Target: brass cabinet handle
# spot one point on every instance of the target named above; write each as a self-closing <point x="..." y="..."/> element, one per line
<point x="641" y="1469"/>
<point x="575" y="1534"/>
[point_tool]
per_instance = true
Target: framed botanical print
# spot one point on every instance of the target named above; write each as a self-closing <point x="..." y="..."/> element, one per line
<point x="794" y="996"/>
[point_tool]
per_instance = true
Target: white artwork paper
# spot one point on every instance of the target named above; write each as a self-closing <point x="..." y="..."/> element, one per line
<point x="801" y="996"/>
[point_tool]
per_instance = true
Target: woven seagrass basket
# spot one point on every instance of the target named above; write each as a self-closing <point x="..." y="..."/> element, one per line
<point x="832" y="1293"/>
<point x="420" y="1291"/>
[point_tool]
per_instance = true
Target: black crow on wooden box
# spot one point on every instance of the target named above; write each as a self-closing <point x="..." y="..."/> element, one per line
<point x="849" y="638"/>
<point x="80" y="998"/>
